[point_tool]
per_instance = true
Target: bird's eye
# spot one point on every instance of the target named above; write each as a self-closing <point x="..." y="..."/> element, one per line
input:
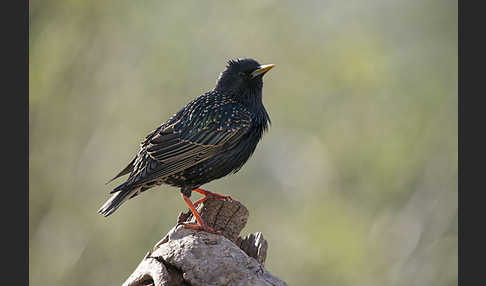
<point x="242" y="74"/>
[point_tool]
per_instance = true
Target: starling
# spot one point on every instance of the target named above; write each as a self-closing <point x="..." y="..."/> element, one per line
<point x="209" y="138"/>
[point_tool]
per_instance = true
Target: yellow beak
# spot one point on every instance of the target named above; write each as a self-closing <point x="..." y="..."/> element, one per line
<point x="262" y="70"/>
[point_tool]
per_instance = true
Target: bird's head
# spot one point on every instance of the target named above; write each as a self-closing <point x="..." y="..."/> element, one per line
<point x="243" y="77"/>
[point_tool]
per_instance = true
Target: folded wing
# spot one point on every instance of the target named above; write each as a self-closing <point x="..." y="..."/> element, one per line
<point x="189" y="140"/>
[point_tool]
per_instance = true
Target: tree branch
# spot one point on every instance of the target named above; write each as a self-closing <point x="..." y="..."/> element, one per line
<point x="191" y="257"/>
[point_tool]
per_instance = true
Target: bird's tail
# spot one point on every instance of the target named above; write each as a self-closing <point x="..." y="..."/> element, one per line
<point x="116" y="200"/>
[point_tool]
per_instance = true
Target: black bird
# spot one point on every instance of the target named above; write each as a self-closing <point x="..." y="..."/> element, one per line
<point x="209" y="138"/>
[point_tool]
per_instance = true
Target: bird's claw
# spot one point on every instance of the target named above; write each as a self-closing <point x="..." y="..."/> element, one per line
<point x="214" y="196"/>
<point x="223" y="198"/>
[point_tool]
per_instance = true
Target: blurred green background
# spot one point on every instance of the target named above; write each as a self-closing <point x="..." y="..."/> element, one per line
<point x="355" y="183"/>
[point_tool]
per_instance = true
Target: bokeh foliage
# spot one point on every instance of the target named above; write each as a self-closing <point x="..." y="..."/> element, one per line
<point x="355" y="183"/>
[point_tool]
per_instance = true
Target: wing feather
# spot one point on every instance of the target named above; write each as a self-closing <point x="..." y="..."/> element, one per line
<point x="189" y="140"/>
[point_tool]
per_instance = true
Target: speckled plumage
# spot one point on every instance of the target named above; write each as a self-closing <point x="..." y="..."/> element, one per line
<point x="209" y="138"/>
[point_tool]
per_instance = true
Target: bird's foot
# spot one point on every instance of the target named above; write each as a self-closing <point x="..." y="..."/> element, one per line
<point x="208" y="195"/>
<point x="200" y="227"/>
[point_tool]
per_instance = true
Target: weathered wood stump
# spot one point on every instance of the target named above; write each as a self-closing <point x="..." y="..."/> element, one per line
<point x="191" y="257"/>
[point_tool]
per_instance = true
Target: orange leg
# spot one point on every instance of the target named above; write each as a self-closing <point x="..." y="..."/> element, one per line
<point x="208" y="194"/>
<point x="201" y="225"/>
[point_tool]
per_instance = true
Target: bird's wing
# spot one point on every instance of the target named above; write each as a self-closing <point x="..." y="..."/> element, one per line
<point x="193" y="139"/>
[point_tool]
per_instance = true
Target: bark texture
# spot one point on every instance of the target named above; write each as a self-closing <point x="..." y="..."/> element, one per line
<point x="190" y="257"/>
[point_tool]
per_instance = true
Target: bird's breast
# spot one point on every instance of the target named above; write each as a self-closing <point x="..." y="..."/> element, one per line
<point x="224" y="163"/>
